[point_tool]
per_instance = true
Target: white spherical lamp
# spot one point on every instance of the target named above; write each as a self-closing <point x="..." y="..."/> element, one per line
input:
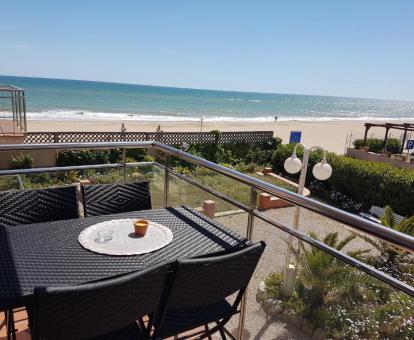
<point x="293" y="164"/>
<point x="322" y="171"/>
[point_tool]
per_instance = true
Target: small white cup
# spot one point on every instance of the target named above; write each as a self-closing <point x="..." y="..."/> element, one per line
<point x="104" y="236"/>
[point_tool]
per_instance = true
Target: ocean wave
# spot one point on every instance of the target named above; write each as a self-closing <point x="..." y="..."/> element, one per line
<point x="242" y="99"/>
<point x="114" y="116"/>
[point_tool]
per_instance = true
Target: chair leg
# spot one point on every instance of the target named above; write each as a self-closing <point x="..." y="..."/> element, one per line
<point x="207" y="330"/>
<point x="228" y="334"/>
<point x="141" y="326"/>
<point x="222" y="333"/>
<point x="141" y="323"/>
<point x="11" y="331"/>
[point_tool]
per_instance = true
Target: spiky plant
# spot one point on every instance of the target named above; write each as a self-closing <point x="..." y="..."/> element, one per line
<point x="406" y="226"/>
<point x="391" y="259"/>
<point x="323" y="277"/>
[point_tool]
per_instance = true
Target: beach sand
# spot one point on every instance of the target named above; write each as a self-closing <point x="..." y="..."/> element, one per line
<point x="330" y="134"/>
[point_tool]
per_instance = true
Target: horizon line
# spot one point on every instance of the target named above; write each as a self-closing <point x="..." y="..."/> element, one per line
<point x="206" y="89"/>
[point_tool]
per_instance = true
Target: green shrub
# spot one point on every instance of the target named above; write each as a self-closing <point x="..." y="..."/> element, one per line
<point x="376" y="144"/>
<point x="217" y="135"/>
<point x="86" y="157"/>
<point x="42" y="178"/>
<point x="373" y="183"/>
<point x="273" y="284"/>
<point x="21" y="162"/>
<point x="137" y="154"/>
<point x="247" y="168"/>
<point x="368" y="183"/>
<point x="236" y="153"/>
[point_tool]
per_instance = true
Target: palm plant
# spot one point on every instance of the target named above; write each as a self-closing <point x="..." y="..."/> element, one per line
<point x="393" y="260"/>
<point x="322" y="277"/>
<point x="405" y="226"/>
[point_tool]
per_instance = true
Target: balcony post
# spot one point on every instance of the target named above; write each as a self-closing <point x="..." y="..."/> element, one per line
<point x="367" y="127"/>
<point x="166" y="179"/>
<point x="124" y="163"/>
<point x="249" y="236"/>
<point x="24" y="111"/>
<point x="15" y="122"/>
<point x="384" y="146"/>
<point x="403" y="140"/>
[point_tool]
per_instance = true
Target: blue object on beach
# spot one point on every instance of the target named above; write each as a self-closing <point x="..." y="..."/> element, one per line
<point x="410" y="144"/>
<point x="295" y="136"/>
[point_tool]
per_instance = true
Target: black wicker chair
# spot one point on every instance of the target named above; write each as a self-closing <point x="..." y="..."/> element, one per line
<point x="101" y="310"/>
<point x="105" y="199"/>
<point x="35" y="206"/>
<point x="198" y="293"/>
<point x="38" y="205"/>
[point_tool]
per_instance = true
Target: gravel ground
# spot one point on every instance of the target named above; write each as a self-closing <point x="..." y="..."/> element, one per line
<point x="258" y="326"/>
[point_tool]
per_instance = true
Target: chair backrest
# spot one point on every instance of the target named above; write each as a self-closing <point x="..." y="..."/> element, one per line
<point x="379" y="212"/>
<point x="204" y="281"/>
<point x="89" y="310"/>
<point x="105" y="199"/>
<point x="39" y="205"/>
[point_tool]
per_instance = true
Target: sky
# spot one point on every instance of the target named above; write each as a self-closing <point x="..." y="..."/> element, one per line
<point x="355" y="48"/>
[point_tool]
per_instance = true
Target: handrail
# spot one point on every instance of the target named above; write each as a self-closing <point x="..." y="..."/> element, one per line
<point x="71" y="168"/>
<point x="368" y="227"/>
<point x="64" y="146"/>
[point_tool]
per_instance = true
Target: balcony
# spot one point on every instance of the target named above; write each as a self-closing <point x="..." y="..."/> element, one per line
<point x="340" y="291"/>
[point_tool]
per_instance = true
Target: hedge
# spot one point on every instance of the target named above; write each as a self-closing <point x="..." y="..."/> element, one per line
<point x="368" y="183"/>
<point x="376" y="144"/>
<point x="90" y="157"/>
<point x="86" y="157"/>
<point x="233" y="153"/>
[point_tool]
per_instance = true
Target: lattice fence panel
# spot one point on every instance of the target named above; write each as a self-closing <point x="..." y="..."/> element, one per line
<point x="170" y="138"/>
<point x="89" y="137"/>
<point x="247" y="137"/>
<point x="136" y="136"/>
<point x="39" y="138"/>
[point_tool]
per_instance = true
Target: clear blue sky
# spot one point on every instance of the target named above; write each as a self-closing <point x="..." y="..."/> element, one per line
<point x="362" y="48"/>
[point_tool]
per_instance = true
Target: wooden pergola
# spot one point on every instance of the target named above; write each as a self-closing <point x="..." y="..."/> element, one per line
<point x="406" y="127"/>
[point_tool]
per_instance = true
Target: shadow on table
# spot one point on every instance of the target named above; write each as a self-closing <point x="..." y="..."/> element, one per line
<point x="235" y="241"/>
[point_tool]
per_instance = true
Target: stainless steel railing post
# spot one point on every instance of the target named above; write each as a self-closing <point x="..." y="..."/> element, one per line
<point x="21" y="186"/>
<point x="125" y="164"/>
<point x="249" y="236"/>
<point x="166" y="179"/>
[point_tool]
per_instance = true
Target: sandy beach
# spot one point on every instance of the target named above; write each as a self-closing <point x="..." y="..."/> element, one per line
<point x="330" y="134"/>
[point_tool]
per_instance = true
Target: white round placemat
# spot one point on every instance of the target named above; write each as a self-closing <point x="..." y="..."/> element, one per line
<point x="124" y="241"/>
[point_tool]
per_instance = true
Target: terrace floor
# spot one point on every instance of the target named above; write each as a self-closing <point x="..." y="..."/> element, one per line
<point x="23" y="332"/>
<point x="21" y="326"/>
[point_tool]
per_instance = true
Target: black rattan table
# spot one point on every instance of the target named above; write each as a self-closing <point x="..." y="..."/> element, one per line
<point x="48" y="254"/>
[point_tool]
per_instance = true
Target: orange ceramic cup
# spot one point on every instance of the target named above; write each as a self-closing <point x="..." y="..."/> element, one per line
<point x="141" y="227"/>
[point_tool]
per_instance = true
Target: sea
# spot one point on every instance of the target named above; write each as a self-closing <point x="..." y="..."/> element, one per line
<point x="59" y="99"/>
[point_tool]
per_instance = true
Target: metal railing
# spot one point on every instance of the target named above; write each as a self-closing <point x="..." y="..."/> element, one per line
<point x="361" y="225"/>
<point x="16" y="105"/>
